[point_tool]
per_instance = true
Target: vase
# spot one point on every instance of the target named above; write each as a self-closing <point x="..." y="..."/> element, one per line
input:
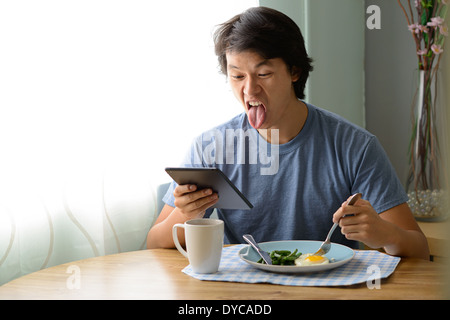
<point x="427" y="184"/>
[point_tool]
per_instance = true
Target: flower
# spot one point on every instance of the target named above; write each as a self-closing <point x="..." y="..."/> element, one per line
<point x="413" y="27"/>
<point x="423" y="28"/>
<point x="417" y="28"/>
<point x="435" y="22"/>
<point x="422" y="52"/>
<point x="429" y="32"/>
<point x="437" y="49"/>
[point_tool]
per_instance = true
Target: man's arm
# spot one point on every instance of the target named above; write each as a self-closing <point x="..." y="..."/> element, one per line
<point x="409" y="239"/>
<point x="395" y="230"/>
<point x="160" y="235"/>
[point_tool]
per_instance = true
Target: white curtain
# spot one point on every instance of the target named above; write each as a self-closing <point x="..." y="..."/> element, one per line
<point x="87" y="215"/>
<point x="96" y="98"/>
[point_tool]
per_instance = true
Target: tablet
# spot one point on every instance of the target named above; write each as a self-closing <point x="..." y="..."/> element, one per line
<point x="229" y="196"/>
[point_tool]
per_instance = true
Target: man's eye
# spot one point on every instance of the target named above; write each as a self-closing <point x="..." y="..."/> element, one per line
<point x="237" y="77"/>
<point x="264" y="75"/>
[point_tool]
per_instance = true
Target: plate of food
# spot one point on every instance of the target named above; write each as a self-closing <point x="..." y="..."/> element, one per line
<point x="297" y="256"/>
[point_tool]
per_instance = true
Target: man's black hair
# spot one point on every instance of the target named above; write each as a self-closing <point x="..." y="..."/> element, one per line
<point x="269" y="33"/>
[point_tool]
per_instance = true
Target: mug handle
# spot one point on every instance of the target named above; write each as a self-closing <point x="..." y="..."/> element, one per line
<point x="175" y="239"/>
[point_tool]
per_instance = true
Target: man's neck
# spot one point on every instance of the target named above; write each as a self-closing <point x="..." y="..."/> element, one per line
<point x="291" y="125"/>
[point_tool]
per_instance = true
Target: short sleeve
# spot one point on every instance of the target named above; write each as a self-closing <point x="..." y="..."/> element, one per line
<point x="377" y="180"/>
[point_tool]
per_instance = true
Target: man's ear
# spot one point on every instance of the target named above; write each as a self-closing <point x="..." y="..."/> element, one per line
<point x="295" y="74"/>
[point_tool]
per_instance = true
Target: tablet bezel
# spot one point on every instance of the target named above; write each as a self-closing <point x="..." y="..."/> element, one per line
<point x="229" y="195"/>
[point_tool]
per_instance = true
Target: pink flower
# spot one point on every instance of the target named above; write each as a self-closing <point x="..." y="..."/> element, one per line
<point x="436" y="48"/>
<point x="422" y="52"/>
<point x="423" y="28"/>
<point x="413" y="28"/>
<point x="435" y="22"/>
<point x="438" y="20"/>
<point x="443" y="29"/>
<point x="417" y="28"/>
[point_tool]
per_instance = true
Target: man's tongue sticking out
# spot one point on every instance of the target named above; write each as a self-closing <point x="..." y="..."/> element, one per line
<point x="256" y="115"/>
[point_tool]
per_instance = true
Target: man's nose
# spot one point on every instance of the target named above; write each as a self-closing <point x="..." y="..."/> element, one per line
<point x="251" y="86"/>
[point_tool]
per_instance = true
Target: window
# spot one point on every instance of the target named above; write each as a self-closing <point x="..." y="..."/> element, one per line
<point x="108" y="85"/>
<point x="96" y="98"/>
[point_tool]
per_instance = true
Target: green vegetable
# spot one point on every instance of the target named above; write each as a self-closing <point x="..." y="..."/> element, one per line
<point x="283" y="257"/>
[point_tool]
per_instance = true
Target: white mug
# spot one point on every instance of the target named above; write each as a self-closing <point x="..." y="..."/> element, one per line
<point x="204" y="243"/>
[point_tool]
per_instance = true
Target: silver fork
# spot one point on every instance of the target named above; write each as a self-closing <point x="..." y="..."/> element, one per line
<point x="326" y="245"/>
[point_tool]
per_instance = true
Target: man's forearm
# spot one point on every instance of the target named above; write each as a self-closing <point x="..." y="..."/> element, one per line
<point x="409" y="243"/>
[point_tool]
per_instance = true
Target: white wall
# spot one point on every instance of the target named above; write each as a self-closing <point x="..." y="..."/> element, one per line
<point x="390" y="63"/>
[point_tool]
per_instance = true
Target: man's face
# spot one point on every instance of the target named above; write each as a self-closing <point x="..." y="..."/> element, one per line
<point x="263" y="86"/>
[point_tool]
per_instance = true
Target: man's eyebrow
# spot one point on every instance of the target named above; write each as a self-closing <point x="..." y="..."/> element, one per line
<point x="262" y="63"/>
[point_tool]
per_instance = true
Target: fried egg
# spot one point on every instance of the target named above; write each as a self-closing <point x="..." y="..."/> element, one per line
<point x="309" y="259"/>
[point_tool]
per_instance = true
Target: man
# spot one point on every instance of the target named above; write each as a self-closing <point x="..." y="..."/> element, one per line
<point x="321" y="159"/>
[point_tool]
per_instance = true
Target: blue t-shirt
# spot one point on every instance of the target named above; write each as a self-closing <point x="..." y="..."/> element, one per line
<point x="296" y="187"/>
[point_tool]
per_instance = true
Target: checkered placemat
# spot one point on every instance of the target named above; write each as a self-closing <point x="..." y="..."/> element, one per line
<point x="365" y="265"/>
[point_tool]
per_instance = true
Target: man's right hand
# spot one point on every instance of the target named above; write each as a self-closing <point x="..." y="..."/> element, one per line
<point x="192" y="202"/>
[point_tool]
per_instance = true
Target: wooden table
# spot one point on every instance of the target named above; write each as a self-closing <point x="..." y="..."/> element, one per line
<point x="156" y="274"/>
